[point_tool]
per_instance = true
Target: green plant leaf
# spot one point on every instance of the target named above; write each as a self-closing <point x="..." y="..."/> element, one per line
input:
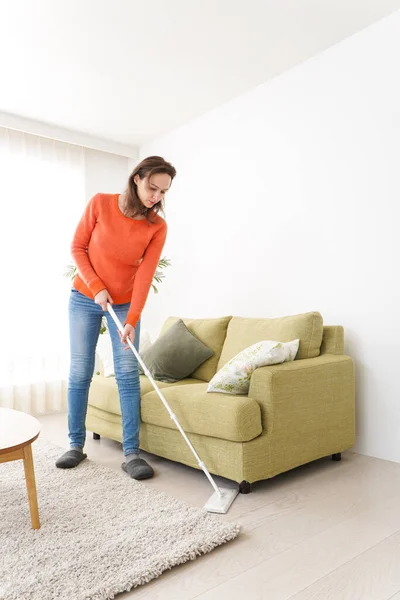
<point x="70" y="271"/>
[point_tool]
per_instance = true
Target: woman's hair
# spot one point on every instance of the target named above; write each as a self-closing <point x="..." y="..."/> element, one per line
<point x="148" y="167"/>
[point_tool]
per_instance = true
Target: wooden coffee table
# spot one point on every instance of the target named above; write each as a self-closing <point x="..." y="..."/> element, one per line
<point x="17" y="432"/>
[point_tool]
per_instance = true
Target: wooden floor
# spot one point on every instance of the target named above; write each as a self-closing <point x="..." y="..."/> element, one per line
<point x="325" y="531"/>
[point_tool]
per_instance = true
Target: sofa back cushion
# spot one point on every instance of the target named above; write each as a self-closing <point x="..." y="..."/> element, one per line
<point x="243" y="332"/>
<point x="212" y="333"/>
<point x="333" y="340"/>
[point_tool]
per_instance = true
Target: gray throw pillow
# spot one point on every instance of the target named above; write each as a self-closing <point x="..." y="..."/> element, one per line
<point x="175" y="354"/>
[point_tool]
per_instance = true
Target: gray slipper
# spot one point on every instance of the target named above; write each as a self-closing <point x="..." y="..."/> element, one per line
<point x="138" y="468"/>
<point x="70" y="459"/>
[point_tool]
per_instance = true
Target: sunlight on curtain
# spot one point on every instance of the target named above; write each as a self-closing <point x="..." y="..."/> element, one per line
<point x="42" y="189"/>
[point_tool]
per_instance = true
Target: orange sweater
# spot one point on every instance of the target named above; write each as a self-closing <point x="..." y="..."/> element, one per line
<point x="116" y="253"/>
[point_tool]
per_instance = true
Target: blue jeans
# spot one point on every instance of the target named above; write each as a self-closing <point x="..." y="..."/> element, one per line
<point x="84" y="324"/>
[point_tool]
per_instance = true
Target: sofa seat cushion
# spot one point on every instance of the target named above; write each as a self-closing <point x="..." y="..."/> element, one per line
<point x="234" y="418"/>
<point x="244" y="332"/>
<point x="103" y="393"/>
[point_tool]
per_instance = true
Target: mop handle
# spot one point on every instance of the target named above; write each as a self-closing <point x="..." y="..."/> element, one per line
<point x="171" y="414"/>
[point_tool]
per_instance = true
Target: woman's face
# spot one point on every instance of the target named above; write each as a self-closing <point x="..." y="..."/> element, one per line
<point x="151" y="191"/>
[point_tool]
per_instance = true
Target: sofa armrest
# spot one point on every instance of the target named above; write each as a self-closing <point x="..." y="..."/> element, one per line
<point x="307" y="406"/>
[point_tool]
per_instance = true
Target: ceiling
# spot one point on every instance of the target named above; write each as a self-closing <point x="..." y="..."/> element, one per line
<point x="129" y="71"/>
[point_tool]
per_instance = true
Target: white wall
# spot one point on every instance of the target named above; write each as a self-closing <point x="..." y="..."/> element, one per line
<point x="286" y="200"/>
<point x="107" y="173"/>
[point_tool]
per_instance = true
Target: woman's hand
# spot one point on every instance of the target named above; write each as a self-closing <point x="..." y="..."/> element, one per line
<point x="102" y="298"/>
<point x="129" y="332"/>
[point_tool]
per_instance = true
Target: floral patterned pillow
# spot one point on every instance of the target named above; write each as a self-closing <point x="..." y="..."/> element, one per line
<point x="234" y="377"/>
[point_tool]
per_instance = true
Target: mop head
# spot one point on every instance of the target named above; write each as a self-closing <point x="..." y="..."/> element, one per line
<point x="221" y="504"/>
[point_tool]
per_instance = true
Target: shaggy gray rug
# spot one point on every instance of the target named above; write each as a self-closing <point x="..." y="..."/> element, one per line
<point x="101" y="533"/>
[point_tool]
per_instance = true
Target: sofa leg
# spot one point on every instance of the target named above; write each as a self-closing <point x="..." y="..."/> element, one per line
<point x="96" y="436"/>
<point x="337" y="457"/>
<point x="244" y="487"/>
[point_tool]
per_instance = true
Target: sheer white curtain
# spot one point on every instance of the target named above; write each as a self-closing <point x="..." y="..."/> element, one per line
<point x="42" y="196"/>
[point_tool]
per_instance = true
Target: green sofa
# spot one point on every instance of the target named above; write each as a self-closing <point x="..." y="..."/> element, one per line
<point x="294" y="413"/>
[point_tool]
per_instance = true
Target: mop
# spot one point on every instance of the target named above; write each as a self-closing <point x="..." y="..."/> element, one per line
<point x="222" y="498"/>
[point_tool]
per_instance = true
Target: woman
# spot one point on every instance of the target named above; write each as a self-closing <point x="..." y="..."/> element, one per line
<point x="116" y="248"/>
